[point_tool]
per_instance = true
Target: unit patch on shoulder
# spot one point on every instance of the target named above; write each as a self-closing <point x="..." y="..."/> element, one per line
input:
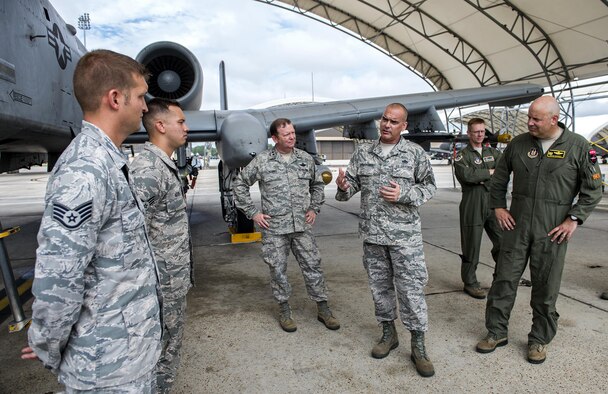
<point x="592" y="156"/>
<point x="458" y="158"/>
<point x="556" y="154"/>
<point x="596" y="176"/>
<point x="72" y="218"/>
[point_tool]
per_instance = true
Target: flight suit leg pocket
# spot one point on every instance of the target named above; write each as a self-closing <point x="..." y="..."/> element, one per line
<point x="542" y="267"/>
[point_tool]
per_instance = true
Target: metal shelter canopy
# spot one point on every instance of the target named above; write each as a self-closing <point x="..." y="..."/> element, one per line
<point x="455" y="44"/>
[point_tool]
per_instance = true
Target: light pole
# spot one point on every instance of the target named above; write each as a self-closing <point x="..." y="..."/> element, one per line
<point x="84" y="24"/>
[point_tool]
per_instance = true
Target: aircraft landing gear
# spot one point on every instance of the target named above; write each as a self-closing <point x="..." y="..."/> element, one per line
<point x="241" y="228"/>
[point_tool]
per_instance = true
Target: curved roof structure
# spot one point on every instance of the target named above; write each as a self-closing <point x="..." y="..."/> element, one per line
<point x="468" y="43"/>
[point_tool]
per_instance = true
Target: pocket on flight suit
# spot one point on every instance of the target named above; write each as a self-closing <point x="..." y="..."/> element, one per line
<point x="546" y="260"/>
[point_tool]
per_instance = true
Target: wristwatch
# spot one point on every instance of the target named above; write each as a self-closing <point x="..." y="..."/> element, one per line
<point x="574" y="218"/>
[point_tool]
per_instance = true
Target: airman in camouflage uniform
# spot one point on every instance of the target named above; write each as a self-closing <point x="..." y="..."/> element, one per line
<point x="158" y="185"/>
<point x="292" y="195"/>
<point x="395" y="178"/>
<point x="95" y="318"/>
<point x="474" y="167"/>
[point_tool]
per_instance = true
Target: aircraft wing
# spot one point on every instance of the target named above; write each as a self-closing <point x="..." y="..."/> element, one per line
<point x="241" y="134"/>
<point x="421" y="107"/>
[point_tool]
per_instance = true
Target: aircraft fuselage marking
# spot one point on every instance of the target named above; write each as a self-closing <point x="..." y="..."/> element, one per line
<point x="22" y="98"/>
<point x="63" y="54"/>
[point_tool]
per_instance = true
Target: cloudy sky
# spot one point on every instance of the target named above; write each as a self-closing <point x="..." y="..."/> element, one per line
<point x="270" y="53"/>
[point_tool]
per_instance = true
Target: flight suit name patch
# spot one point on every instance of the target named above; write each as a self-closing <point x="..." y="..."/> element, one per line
<point x="488" y="158"/>
<point x="556" y="154"/>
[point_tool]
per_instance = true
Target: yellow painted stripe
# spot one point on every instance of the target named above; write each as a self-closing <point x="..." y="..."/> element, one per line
<point x="25" y="286"/>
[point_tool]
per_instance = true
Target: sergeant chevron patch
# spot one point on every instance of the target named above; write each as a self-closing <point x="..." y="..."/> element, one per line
<point x="72" y="218"/>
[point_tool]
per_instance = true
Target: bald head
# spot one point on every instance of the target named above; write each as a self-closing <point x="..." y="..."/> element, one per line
<point x="547" y="104"/>
<point x="543" y="115"/>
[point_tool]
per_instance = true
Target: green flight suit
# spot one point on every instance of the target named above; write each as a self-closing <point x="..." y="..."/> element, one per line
<point x="472" y="171"/>
<point x="544" y="189"/>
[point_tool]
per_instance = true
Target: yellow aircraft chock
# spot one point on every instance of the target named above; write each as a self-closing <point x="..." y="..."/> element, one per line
<point x="239" y="238"/>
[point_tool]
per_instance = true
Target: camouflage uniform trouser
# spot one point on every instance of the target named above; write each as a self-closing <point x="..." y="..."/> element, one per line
<point x="145" y="384"/>
<point x="174" y="318"/>
<point x="399" y="268"/>
<point x="275" y="250"/>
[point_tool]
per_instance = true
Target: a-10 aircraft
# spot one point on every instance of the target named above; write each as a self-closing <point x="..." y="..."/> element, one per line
<point x="39" y="115"/>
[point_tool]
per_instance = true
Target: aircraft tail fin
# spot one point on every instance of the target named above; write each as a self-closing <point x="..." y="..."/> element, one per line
<point x="223" y="90"/>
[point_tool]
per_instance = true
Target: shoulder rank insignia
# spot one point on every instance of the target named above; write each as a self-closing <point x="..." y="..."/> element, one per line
<point x="556" y="154"/>
<point x="72" y="218"/>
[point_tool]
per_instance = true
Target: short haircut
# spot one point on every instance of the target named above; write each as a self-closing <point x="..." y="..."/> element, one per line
<point x="278" y="123"/>
<point x="100" y="71"/>
<point x="473" y="122"/>
<point x="400" y="106"/>
<point x="157" y="106"/>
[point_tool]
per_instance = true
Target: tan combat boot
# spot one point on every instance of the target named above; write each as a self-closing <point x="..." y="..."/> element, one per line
<point x="388" y="342"/>
<point x="537" y="353"/>
<point x="475" y="292"/>
<point x="287" y="323"/>
<point x="490" y="343"/>
<point x="325" y="316"/>
<point x="424" y="366"/>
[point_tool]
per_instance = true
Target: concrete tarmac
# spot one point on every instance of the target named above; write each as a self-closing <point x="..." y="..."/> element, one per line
<point x="233" y="342"/>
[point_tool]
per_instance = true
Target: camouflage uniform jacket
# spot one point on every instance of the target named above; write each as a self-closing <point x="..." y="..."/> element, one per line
<point x="95" y="318"/>
<point x="288" y="190"/>
<point x="382" y="222"/>
<point x="158" y="185"/>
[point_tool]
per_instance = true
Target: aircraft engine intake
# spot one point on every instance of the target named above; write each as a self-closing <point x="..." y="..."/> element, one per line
<point x="176" y="74"/>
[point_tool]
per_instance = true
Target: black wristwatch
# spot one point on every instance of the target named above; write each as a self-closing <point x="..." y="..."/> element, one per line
<point x="574" y="218"/>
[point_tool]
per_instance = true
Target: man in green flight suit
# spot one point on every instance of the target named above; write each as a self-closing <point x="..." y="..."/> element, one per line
<point x="551" y="167"/>
<point x="474" y="167"/>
